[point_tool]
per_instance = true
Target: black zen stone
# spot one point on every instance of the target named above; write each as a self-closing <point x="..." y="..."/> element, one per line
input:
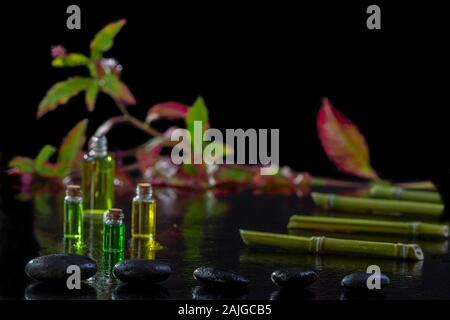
<point x="358" y="281"/>
<point x="293" y="278"/>
<point x="53" y="267"/>
<point x="218" y="278"/>
<point x="137" y="271"/>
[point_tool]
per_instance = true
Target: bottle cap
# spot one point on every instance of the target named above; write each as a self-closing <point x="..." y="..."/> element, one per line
<point x="73" y="190"/>
<point x="115" y="213"/>
<point x="144" y="189"/>
<point x="98" y="144"/>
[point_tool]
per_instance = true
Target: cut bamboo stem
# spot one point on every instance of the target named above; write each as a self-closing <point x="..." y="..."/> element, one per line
<point x="390" y="192"/>
<point x="323" y="245"/>
<point x="366" y="205"/>
<point x="332" y="224"/>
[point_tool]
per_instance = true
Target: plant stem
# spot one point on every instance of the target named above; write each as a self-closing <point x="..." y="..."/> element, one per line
<point x="136" y="122"/>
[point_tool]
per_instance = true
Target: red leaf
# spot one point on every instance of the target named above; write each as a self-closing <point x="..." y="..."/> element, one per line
<point x="149" y="154"/>
<point x="167" y="110"/>
<point x="344" y="145"/>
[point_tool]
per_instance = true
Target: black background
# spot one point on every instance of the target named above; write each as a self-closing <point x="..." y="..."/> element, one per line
<point x="257" y="66"/>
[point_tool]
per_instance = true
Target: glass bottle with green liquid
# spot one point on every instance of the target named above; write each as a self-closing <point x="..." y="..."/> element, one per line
<point x="98" y="177"/>
<point x="143" y="215"/>
<point x="73" y="213"/>
<point x="113" y="231"/>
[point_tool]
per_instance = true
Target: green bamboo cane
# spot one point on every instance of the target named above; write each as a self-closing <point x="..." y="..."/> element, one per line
<point x="390" y="192"/>
<point x="332" y="224"/>
<point x="322" y="245"/>
<point x="432" y="246"/>
<point x="365" y="205"/>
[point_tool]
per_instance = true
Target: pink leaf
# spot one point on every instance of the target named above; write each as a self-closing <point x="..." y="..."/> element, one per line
<point x="167" y="110"/>
<point x="344" y="145"/>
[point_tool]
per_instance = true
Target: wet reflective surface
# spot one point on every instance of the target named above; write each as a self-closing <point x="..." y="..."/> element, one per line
<point x="200" y="230"/>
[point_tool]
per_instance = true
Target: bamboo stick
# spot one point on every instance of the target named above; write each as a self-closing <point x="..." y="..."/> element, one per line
<point x="322" y="245"/>
<point x="390" y="192"/>
<point x="432" y="246"/>
<point x="330" y="224"/>
<point x="365" y="205"/>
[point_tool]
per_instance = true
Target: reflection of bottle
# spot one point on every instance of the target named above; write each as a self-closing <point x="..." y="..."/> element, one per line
<point x="113" y="231"/>
<point x="75" y="246"/>
<point x="73" y="213"/>
<point x="98" y="177"/>
<point x="109" y="260"/>
<point x="143" y="215"/>
<point x="142" y="249"/>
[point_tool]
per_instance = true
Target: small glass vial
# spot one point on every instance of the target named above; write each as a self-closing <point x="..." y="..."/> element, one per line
<point x="113" y="231"/>
<point x="143" y="214"/>
<point x="98" y="177"/>
<point x="73" y="213"/>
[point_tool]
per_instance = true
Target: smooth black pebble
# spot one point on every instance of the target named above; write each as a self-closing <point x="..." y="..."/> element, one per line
<point x="358" y="281"/>
<point x="294" y="278"/>
<point x="218" y="278"/>
<point x="136" y="271"/>
<point x="53" y="268"/>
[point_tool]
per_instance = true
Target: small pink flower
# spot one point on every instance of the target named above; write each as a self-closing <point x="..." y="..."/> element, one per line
<point x="58" y="51"/>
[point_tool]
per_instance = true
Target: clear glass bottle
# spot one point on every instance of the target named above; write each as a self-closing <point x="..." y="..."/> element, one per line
<point x="143" y="215"/>
<point x="113" y="231"/>
<point x="73" y="213"/>
<point x="98" y="177"/>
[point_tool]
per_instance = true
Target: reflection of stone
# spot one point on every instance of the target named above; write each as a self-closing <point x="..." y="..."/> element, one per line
<point x="291" y="294"/>
<point x="362" y="295"/>
<point x="43" y="291"/>
<point x="208" y="293"/>
<point x="131" y="292"/>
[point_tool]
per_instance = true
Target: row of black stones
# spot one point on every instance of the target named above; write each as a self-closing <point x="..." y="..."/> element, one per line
<point x="53" y="269"/>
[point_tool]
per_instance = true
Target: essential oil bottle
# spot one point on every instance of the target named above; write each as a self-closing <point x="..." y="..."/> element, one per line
<point x="73" y="213"/>
<point x="113" y="231"/>
<point x="143" y="214"/>
<point x="98" y="177"/>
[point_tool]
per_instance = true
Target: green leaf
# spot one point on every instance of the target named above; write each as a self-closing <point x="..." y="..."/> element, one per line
<point x="61" y="93"/>
<point x="198" y="112"/>
<point x="104" y="39"/>
<point x="23" y="164"/>
<point x="117" y="90"/>
<point x="41" y="164"/>
<point x="71" y="147"/>
<point x="71" y="60"/>
<point x="91" y="95"/>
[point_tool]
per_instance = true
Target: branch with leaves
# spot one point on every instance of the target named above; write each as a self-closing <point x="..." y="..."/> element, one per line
<point x="342" y="141"/>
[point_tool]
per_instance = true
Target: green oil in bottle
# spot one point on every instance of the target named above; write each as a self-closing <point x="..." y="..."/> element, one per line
<point x="143" y="215"/>
<point x="113" y="231"/>
<point x="73" y="213"/>
<point x="98" y="177"/>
